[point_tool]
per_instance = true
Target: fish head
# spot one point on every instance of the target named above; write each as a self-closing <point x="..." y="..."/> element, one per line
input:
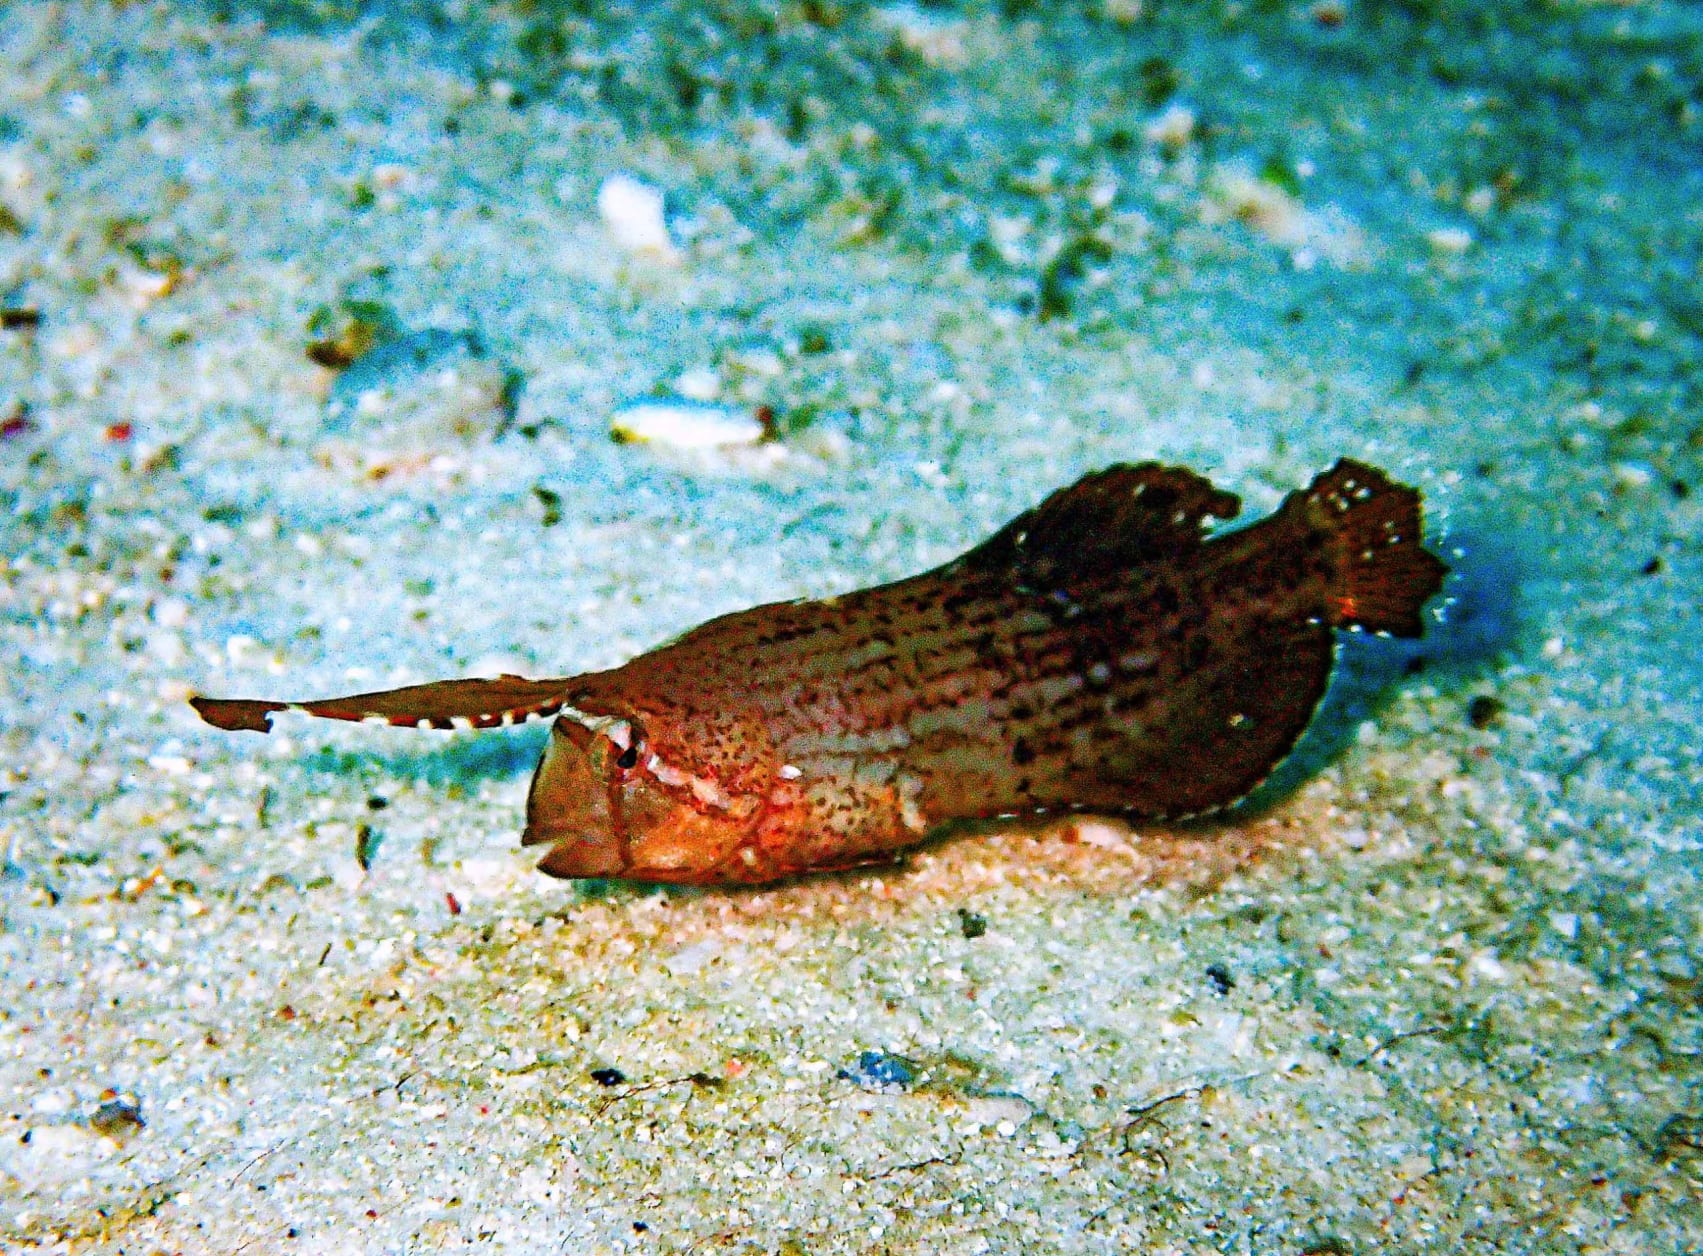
<point x="612" y="803"/>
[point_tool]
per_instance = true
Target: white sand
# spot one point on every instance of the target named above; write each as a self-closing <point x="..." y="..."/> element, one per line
<point x="1454" y="1003"/>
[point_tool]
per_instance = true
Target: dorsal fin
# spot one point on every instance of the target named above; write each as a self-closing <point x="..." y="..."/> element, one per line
<point x="1119" y="517"/>
<point x="481" y="703"/>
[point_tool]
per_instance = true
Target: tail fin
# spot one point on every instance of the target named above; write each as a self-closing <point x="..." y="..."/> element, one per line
<point x="1385" y="575"/>
<point x="441" y="704"/>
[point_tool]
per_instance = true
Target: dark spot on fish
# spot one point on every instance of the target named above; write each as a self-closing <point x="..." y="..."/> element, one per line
<point x="608" y="1076"/>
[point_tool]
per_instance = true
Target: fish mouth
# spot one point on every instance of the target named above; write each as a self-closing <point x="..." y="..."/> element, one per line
<point x="577" y="856"/>
<point x="568" y="805"/>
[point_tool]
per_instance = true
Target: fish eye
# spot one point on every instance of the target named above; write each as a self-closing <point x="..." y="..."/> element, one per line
<point x="628" y="758"/>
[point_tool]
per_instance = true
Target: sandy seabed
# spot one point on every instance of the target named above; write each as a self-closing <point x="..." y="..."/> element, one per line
<point x="317" y="319"/>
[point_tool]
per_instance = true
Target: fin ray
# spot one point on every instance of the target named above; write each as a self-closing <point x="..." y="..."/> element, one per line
<point x="1386" y="574"/>
<point x="474" y="703"/>
<point x="1121" y="516"/>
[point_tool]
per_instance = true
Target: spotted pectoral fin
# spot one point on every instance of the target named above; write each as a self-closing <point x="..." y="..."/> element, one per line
<point x="483" y="703"/>
<point x="1215" y="733"/>
<point x="1122" y="516"/>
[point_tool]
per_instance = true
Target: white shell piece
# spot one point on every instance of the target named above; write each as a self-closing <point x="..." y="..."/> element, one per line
<point x="634" y="214"/>
<point x="685" y="425"/>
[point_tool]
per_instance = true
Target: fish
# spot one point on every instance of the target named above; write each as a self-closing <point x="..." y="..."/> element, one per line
<point x="1105" y="651"/>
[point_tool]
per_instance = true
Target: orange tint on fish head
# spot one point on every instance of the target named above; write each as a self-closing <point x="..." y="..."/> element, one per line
<point x="612" y="805"/>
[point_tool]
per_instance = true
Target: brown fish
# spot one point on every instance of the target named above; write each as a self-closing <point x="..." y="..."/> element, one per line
<point x="1096" y="653"/>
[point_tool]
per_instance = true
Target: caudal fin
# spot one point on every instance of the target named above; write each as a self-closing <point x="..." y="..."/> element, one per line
<point x="1385" y="574"/>
<point x="485" y="703"/>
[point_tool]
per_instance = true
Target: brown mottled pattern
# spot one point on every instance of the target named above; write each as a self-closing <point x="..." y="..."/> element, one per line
<point x="1160" y="689"/>
<point x="1095" y="653"/>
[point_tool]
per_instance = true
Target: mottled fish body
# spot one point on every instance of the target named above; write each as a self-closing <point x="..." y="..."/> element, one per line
<point x="1097" y="653"/>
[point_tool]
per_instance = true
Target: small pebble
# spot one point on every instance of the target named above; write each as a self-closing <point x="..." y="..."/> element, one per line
<point x="366" y="846"/>
<point x="877" y="1070"/>
<point x="16" y="424"/>
<point x="117" y="1116"/>
<point x="1449" y="240"/>
<point x="1633" y="475"/>
<point x="1483" y="711"/>
<point x="1173" y="128"/>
